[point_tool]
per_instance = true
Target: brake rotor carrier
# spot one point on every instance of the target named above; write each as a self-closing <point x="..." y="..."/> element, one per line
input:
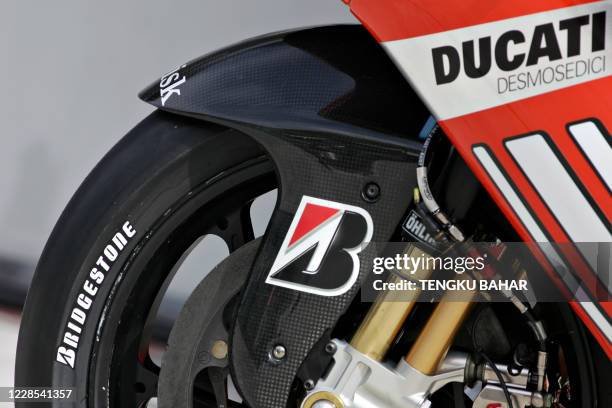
<point x="199" y="337"/>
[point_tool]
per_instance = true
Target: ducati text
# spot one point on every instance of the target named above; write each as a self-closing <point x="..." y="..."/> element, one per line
<point x="511" y="50"/>
<point x="466" y="70"/>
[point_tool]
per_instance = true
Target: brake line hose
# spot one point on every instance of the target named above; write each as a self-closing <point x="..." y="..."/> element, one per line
<point x="429" y="131"/>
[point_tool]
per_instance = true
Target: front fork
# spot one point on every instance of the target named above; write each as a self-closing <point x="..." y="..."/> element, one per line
<point x="360" y="379"/>
<point x="380" y="328"/>
<point x="388" y="313"/>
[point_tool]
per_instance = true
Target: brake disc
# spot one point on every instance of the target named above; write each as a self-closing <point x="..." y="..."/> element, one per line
<point x="199" y="338"/>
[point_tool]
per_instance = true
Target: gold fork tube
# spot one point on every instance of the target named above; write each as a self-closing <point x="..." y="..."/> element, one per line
<point x="436" y="337"/>
<point x="386" y="316"/>
<point x="382" y="324"/>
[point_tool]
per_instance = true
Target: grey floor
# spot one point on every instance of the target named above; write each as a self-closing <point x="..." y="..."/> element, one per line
<point x="74" y="70"/>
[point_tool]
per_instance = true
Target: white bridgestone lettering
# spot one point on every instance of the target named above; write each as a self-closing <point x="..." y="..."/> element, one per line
<point x="111" y="253"/>
<point x="78" y="315"/>
<point x="96" y="276"/>
<point x="119" y="240"/>
<point x="66" y="356"/>
<point x="129" y="230"/>
<point x="84" y="301"/>
<point x="103" y="264"/>
<point x="71" y="340"/>
<point x="90" y="288"/>
<point x="67" y="350"/>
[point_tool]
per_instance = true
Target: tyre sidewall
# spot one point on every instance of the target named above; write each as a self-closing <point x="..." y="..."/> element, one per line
<point x="160" y="161"/>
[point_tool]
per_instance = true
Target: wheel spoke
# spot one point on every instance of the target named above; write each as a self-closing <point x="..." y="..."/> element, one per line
<point x="236" y="229"/>
<point x="218" y="380"/>
<point x="147" y="376"/>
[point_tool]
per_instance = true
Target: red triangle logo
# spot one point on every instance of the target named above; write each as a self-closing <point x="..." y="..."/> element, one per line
<point x="312" y="216"/>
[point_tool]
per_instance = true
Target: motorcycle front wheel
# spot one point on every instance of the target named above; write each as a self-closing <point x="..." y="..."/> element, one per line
<point x="168" y="183"/>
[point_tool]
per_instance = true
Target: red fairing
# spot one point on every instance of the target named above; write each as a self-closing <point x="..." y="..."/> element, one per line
<point x="524" y="91"/>
<point x="390" y="20"/>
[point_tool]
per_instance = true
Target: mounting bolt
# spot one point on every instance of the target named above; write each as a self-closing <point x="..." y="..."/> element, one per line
<point x="371" y="192"/>
<point x="279" y="352"/>
<point x="309" y="384"/>
<point x="330" y="348"/>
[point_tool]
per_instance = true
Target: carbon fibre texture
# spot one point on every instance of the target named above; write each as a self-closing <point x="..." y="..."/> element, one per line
<point x="329" y="167"/>
<point x="334" y="113"/>
<point x="334" y="76"/>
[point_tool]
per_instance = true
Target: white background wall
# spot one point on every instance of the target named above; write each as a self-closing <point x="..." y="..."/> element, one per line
<point x="71" y="71"/>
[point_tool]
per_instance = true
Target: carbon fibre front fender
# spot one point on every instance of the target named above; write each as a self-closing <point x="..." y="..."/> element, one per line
<point x="334" y="115"/>
<point x="334" y="78"/>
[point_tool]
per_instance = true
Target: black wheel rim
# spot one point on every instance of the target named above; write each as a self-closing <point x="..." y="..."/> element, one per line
<point x="122" y="373"/>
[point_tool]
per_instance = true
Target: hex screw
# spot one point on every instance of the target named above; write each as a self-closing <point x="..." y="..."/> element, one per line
<point x="330" y="348"/>
<point x="371" y="192"/>
<point x="309" y="384"/>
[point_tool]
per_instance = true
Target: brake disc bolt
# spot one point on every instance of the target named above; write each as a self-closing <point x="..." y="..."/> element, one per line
<point x="279" y="352"/>
<point x="219" y="349"/>
<point x="371" y="192"/>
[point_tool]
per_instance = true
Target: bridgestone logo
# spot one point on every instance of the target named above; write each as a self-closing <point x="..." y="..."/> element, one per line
<point x="66" y="352"/>
<point x="319" y="254"/>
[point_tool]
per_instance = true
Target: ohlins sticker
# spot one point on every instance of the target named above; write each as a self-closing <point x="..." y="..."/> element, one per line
<point x="319" y="254"/>
<point x="416" y="229"/>
<point x="66" y="352"/>
<point x="470" y="69"/>
<point x="170" y="84"/>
